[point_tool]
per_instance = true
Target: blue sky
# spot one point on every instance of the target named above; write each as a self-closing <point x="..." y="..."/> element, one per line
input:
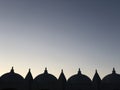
<point x="59" y="35"/>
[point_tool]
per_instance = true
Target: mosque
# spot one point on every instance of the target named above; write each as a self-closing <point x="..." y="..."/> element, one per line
<point x="47" y="81"/>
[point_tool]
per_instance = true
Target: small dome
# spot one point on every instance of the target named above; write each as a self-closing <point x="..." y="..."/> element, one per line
<point x="45" y="78"/>
<point x="62" y="77"/>
<point x="96" y="78"/>
<point x="79" y="78"/>
<point x="29" y="76"/>
<point x="11" y="77"/>
<point x="112" y="78"/>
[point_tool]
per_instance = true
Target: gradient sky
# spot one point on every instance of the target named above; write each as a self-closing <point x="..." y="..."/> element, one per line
<point x="60" y="34"/>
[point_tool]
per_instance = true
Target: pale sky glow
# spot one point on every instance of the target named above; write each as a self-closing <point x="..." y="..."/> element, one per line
<point x="59" y="35"/>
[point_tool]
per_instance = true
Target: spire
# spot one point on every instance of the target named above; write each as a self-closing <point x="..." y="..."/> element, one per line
<point x="79" y="71"/>
<point x="62" y="73"/>
<point x="46" y="71"/>
<point x="96" y="80"/>
<point x="62" y="77"/>
<point x="96" y="76"/>
<point x="29" y="75"/>
<point x="12" y="70"/>
<point x="113" y="71"/>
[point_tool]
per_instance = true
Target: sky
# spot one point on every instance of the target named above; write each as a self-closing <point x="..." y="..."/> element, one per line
<point x="60" y="34"/>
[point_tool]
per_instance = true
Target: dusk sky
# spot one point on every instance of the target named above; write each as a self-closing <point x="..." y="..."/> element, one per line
<point x="60" y="34"/>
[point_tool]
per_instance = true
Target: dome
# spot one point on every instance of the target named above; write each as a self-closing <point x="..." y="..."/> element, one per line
<point x="45" y="78"/>
<point x="112" y="78"/>
<point x="79" y="78"/>
<point x="11" y="77"/>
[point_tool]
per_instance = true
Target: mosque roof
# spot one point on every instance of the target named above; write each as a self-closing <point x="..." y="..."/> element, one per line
<point x="12" y="77"/>
<point x="45" y="77"/>
<point x="112" y="78"/>
<point x="79" y="78"/>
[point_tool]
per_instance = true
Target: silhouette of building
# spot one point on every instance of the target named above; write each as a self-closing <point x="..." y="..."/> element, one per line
<point x="47" y="81"/>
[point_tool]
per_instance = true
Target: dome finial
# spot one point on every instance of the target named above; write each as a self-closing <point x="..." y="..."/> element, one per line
<point x="113" y="70"/>
<point x="79" y="71"/>
<point x="12" y="70"/>
<point x="29" y="70"/>
<point x="95" y="70"/>
<point x="45" y="70"/>
<point x="61" y="70"/>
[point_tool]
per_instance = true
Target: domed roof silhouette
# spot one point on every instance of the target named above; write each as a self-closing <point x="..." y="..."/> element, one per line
<point x="45" y="77"/>
<point x="79" y="78"/>
<point x="12" y="77"/>
<point x="112" y="78"/>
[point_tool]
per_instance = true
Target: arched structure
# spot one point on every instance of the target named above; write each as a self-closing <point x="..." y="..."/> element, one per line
<point x="79" y="81"/>
<point x="111" y="81"/>
<point x="12" y="81"/>
<point x="45" y="81"/>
